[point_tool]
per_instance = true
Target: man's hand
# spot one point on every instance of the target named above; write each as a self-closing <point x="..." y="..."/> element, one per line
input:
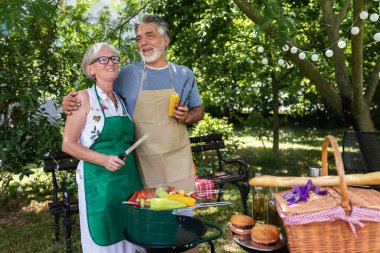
<point x="70" y="103"/>
<point x="188" y="116"/>
<point x="180" y="113"/>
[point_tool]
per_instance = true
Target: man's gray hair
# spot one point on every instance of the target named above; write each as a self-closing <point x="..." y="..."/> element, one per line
<point x="92" y="53"/>
<point x="147" y="18"/>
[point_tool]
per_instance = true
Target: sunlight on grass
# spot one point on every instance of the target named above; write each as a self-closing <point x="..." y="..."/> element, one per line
<point x="253" y="142"/>
<point x="35" y="206"/>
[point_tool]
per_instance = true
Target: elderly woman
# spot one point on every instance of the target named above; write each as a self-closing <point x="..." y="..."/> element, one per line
<point x="97" y="133"/>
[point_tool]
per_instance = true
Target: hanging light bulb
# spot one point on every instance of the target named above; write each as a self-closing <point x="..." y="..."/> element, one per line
<point x="260" y="49"/>
<point x="293" y="50"/>
<point x="302" y="56"/>
<point x="341" y="44"/>
<point x="329" y="53"/>
<point x="314" y="57"/>
<point x="377" y="36"/>
<point x="363" y="15"/>
<point x="264" y="61"/>
<point x="285" y="48"/>
<point x="355" y="30"/>
<point x="281" y="62"/>
<point x="374" y="17"/>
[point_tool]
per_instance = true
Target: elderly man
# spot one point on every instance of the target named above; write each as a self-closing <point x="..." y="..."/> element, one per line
<point x="165" y="157"/>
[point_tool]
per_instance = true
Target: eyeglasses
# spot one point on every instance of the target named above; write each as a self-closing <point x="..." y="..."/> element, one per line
<point x="104" y="59"/>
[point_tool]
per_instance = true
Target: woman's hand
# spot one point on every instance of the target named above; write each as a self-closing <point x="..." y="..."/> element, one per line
<point x="113" y="162"/>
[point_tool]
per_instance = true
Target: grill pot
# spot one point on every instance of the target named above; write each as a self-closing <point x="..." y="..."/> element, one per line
<point x="163" y="231"/>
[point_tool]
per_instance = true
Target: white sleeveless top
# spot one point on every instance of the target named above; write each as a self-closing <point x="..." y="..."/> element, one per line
<point x="95" y="118"/>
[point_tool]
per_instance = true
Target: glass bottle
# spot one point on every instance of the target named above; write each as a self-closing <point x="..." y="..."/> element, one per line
<point x="258" y="203"/>
<point x="271" y="212"/>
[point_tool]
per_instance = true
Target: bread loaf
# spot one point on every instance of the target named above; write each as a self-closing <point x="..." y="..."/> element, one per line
<point x="372" y="178"/>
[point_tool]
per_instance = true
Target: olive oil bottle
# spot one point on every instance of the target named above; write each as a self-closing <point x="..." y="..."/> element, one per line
<point x="258" y="203"/>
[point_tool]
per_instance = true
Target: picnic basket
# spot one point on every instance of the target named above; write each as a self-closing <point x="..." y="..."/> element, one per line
<point x="345" y="220"/>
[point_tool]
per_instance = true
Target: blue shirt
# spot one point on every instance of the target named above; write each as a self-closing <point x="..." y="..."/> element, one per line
<point x="128" y="83"/>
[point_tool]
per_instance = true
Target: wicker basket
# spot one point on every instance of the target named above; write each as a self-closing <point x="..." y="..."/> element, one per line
<point x="352" y="224"/>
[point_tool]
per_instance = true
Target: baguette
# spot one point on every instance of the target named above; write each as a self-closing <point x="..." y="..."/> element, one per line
<point x="372" y="178"/>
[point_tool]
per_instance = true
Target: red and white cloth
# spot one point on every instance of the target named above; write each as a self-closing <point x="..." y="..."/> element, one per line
<point x="205" y="188"/>
<point x="357" y="216"/>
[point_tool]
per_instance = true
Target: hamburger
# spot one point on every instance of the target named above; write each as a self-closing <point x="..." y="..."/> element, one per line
<point x="241" y="224"/>
<point x="265" y="234"/>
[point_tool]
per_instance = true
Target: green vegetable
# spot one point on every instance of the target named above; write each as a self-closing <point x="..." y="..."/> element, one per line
<point x="165" y="204"/>
<point x="161" y="192"/>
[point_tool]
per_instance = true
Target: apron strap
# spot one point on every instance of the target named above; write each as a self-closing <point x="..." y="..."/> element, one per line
<point x="100" y="104"/>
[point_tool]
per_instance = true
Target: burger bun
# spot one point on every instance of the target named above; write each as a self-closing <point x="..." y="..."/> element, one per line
<point x="241" y="224"/>
<point x="265" y="234"/>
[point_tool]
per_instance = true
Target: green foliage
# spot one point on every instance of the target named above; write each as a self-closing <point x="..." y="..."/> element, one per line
<point x="206" y="161"/>
<point x="26" y="144"/>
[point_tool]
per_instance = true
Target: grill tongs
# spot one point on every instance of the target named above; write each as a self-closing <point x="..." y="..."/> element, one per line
<point x="180" y="210"/>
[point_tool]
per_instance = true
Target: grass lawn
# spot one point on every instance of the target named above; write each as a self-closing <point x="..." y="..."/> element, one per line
<point x="27" y="226"/>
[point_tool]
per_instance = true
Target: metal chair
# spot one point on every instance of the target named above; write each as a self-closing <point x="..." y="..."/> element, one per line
<point x="361" y="152"/>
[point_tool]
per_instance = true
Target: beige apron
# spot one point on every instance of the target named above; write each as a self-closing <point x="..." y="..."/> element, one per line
<point x="165" y="158"/>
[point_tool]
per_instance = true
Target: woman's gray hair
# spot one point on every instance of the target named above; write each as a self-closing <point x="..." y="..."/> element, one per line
<point x="92" y="53"/>
<point x="147" y="18"/>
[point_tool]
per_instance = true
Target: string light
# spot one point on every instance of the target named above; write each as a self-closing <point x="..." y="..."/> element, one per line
<point x="329" y="53"/>
<point x="374" y="17"/>
<point x="314" y="57"/>
<point x="340" y="43"/>
<point x="293" y="50"/>
<point x="377" y="36"/>
<point x="363" y="15"/>
<point x="355" y="30"/>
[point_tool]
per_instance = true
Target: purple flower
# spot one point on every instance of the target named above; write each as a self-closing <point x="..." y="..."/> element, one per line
<point x="301" y="193"/>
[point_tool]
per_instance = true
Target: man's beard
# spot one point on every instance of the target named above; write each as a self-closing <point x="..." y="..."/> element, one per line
<point x="156" y="54"/>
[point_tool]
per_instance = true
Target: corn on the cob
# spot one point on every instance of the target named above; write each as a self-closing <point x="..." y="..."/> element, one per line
<point x="174" y="99"/>
<point x="188" y="200"/>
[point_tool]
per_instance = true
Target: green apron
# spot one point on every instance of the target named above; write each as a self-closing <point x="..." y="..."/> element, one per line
<point x="105" y="190"/>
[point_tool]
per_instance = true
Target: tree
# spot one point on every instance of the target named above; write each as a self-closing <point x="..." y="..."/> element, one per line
<point x="42" y="45"/>
<point x="349" y="91"/>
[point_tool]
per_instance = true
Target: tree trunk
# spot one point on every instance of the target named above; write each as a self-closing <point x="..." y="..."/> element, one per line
<point x="276" y="118"/>
<point x="360" y="108"/>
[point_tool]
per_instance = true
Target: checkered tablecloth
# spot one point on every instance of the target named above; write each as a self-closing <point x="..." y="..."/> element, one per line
<point x="204" y="188"/>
